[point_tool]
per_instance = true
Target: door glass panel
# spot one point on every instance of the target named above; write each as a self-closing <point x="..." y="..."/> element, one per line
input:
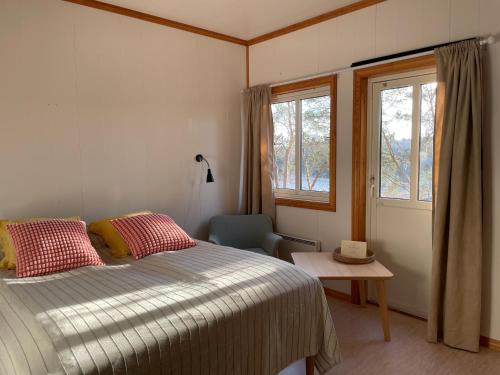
<point x="284" y="144"/>
<point x="315" y="144"/>
<point x="395" y="142"/>
<point x="427" y="119"/>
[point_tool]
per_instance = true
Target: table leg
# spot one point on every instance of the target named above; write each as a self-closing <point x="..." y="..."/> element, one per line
<point x="384" y="314"/>
<point x="310" y="365"/>
<point x="362" y="293"/>
<point x="355" y="292"/>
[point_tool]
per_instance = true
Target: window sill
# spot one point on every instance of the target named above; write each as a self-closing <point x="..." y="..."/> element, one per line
<point x="312" y="205"/>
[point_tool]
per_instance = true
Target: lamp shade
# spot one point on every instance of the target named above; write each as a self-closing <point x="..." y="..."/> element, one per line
<point x="210" y="177"/>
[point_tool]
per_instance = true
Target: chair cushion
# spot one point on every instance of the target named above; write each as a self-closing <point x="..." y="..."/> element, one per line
<point x="257" y="250"/>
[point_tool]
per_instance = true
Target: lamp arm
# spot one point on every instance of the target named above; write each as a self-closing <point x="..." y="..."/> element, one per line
<point x="200" y="158"/>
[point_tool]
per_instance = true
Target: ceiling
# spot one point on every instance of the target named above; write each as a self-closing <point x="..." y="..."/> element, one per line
<point x="243" y="19"/>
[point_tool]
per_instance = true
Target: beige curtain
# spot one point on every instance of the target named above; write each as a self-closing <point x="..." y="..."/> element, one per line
<point x="257" y="193"/>
<point x="455" y="306"/>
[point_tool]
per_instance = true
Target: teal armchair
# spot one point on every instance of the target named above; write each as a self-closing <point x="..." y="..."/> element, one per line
<point x="248" y="232"/>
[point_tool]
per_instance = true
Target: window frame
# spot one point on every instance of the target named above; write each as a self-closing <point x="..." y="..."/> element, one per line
<point x="412" y="78"/>
<point x="325" y="201"/>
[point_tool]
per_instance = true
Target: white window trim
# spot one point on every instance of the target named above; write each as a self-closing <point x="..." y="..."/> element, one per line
<point x="298" y="193"/>
<point x="381" y="83"/>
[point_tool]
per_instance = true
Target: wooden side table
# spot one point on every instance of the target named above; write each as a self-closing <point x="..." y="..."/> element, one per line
<point x="323" y="266"/>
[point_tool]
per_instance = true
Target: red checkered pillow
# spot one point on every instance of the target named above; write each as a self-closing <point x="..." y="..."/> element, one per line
<point x="50" y="246"/>
<point x="151" y="233"/>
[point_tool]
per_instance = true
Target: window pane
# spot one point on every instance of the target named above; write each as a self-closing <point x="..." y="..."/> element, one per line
<point x="316" y="144"/>
<point x="395" y="142"/>
<point x="427" y="118"/>
<point x="284" y="144"/>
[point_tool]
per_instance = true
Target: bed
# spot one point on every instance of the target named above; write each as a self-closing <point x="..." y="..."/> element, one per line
<point x="204" y="310"/>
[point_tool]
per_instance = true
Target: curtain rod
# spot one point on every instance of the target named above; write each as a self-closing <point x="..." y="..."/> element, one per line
<point x="488" y="40"/>
<point x="331" y="72"/>
<point x="393" y="57"/>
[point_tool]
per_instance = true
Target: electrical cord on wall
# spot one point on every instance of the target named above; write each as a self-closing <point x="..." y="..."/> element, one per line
<point x="190" y="202"/>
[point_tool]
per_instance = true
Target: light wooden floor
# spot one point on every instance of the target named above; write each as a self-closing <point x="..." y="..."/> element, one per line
<point x="364" y="351"/>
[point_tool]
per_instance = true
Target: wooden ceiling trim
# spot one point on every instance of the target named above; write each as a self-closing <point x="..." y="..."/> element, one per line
<point x="158" y="20"/>
<point x="315" y="20"/>
<point x="228" y="38"/>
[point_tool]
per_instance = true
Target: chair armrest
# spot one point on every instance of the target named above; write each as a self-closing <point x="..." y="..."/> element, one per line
<point x="271" y="243"/>
<point x="214" y="239"/>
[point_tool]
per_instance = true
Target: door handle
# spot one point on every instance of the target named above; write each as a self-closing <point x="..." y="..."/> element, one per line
<point x="372" y="186"/>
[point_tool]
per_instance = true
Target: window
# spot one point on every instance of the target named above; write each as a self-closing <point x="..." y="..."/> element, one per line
<point x="426" y="149"/>
<point x="406" y="111"/>
<point x="304" y="143"/>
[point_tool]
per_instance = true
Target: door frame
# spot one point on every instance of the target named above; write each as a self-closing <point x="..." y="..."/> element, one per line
<point x="359" y="139"/>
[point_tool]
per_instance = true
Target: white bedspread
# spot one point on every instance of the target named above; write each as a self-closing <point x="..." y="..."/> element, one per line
<point x="204" y="310"/>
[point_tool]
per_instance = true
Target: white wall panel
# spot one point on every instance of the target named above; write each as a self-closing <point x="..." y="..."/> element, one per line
<point x="406" y="24"/>
<point x="347" y="39"/>
<point x="295" y="55"/>
<point x="464" y="19"/>
<point x="102" y="114"/>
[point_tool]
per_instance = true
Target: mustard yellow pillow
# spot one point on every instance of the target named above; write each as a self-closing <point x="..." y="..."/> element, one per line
<point x="107" y="231"/>
<point x="5" y="262"/>
<point x="9" y="259"/>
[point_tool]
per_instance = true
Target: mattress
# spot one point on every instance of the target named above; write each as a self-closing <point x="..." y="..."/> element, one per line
<point x="204" y="310"/>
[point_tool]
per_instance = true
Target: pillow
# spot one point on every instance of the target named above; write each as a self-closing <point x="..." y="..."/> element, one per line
<point x="107" y="231"/>
<point x="5" y="262"/>
<point x="151" y="233"/>
<point x="50" y="246"/>
<point x="9" y="254"/>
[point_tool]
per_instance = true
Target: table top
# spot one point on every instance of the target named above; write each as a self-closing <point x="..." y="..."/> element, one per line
<point x="323" y="266"/>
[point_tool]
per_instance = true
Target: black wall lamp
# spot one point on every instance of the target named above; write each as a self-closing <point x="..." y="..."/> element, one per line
<point x="199" y="158"/>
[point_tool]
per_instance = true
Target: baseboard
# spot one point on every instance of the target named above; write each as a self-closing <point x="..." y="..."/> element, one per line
<point x="483" y="340"/>
<point x="393" y="309"/>
<point x="489" y="343"/>
<point x="336" y="294"/>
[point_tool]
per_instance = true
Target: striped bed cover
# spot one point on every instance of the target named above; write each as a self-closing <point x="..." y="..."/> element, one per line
<point x="204" y="310"/>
